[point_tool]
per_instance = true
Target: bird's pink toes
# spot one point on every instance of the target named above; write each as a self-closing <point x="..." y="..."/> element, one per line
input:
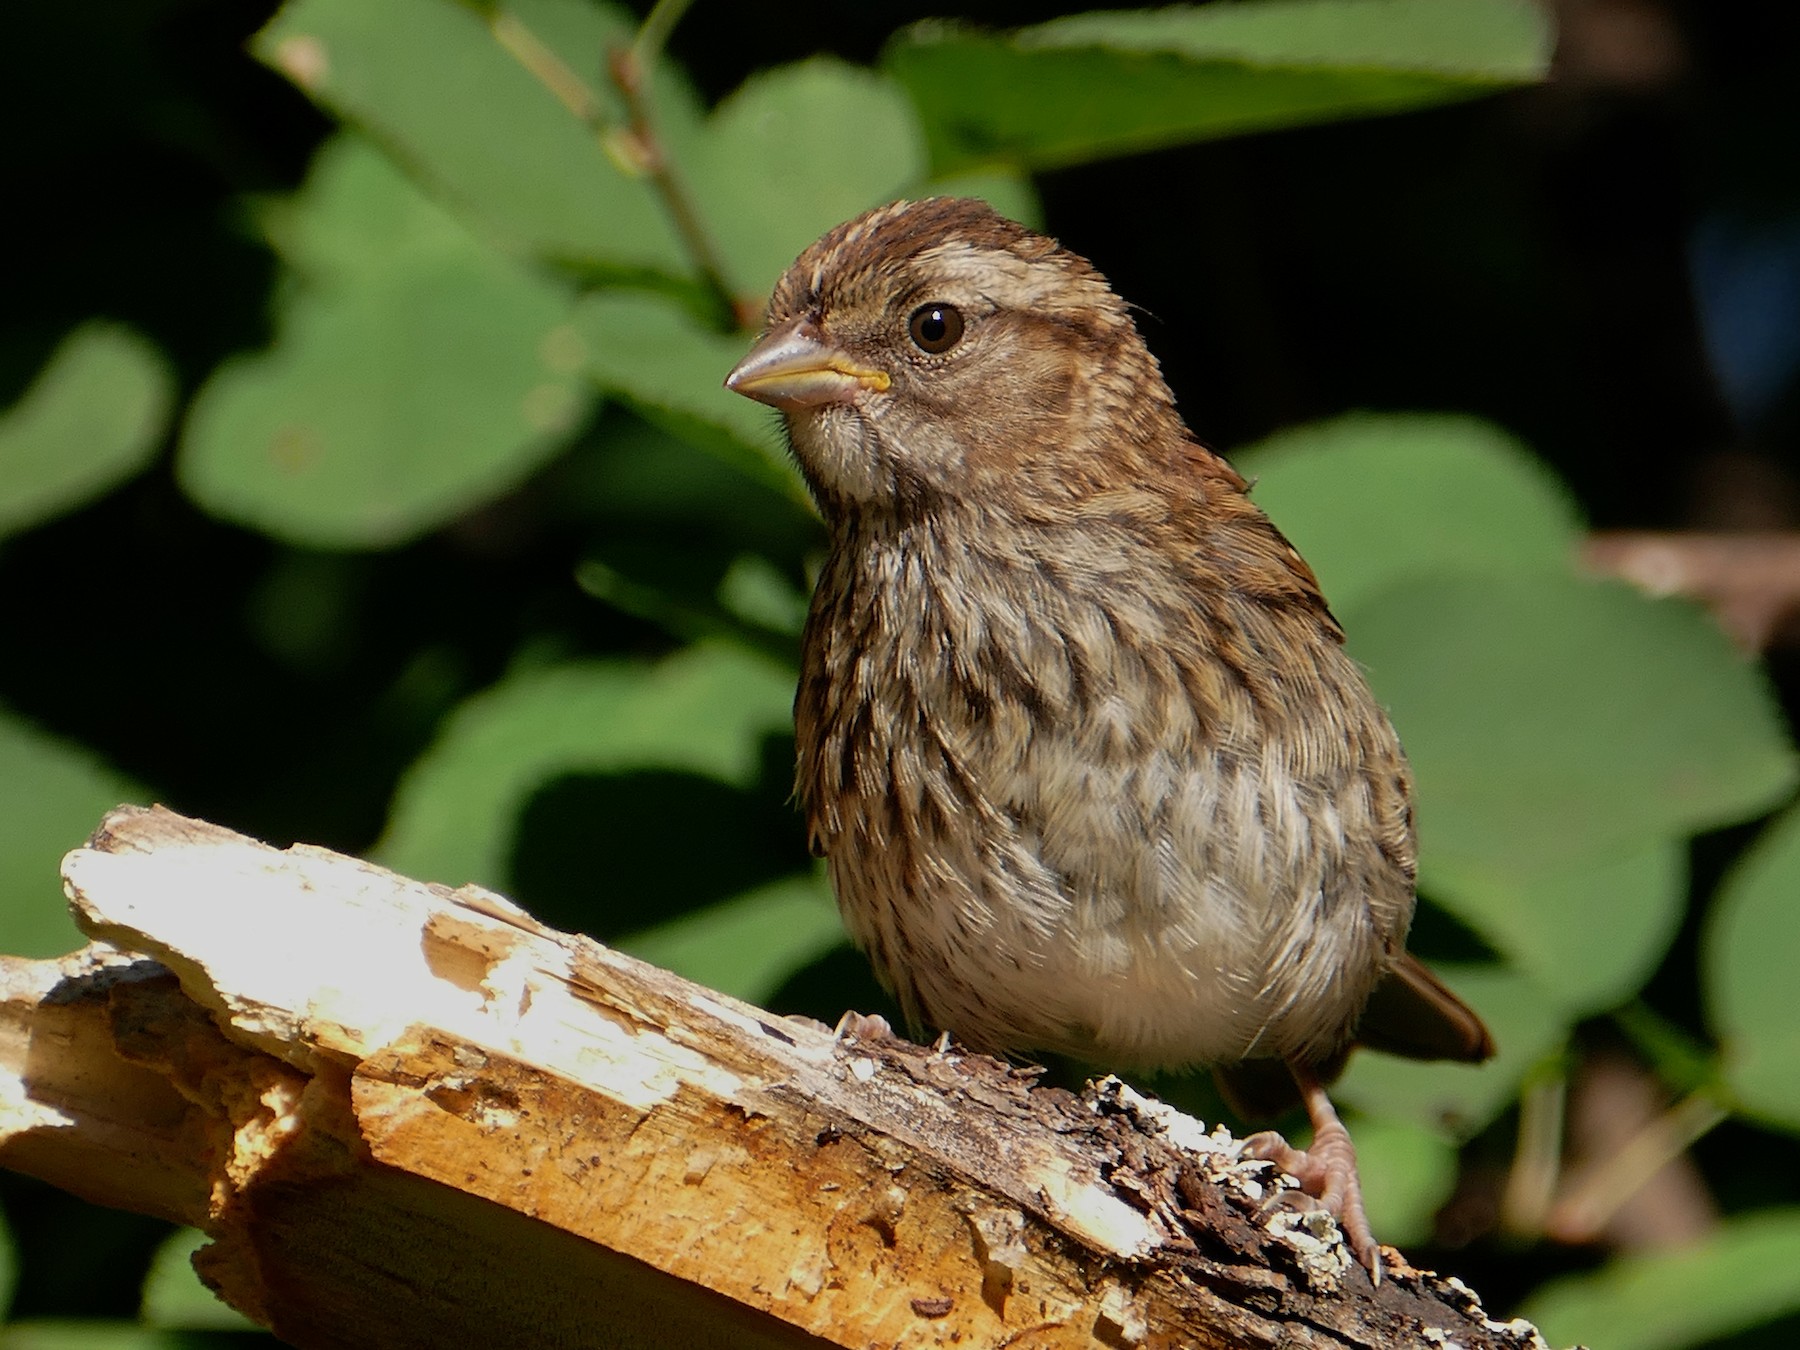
<point x="1327" y="1173"/>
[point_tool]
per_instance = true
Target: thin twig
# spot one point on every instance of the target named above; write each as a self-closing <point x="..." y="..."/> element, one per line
<point x="636" y="146"/>
<point x="628" y="77"/>
<point x="1537" y="1161"/>
<point x="1585" y="1210"/>
<point x="1750" y="581"/>
<point x="549" y="69"/>
<point x="653" y="34"/>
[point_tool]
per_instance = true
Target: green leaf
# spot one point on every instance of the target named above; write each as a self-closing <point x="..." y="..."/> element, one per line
<point x="749" y="945"/>
<point x="1371" y="499"/>
<point x="175" y="1299"/>
<point x="1094" y="85"/>
<point x="1566" y="735"/>
<point x="52" y="795"/>
<point x="9" y="1266"/>
<point x="1500" y="40"/>
<point x="1552" y="721"/>
<point x="90" y="420"/>
<point x="755" y="590"/>
<point x="1743" y="1275"/>
<point x="1407" y="1172"/>
<point x="1589" y="931"/>
<point x="416" y="375"/>
<point x="795" y="151"/>
<point x="1009" y="193"/>
<point x="1461" y="1098"/>
<point x="671" y="369"/>
<point x="73" y="1334"/>
<point x="705" y="710"/>
<point x="1752" y="935"/>
<point x="433" y="82"/>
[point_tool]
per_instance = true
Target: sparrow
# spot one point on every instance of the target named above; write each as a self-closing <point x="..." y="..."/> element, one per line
<point x="1077" y="736"/>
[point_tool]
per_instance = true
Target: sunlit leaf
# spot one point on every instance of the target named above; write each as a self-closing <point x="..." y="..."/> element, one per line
<point x="73" y="1334"/>
<point x="91" y="419"/>
<point x="9" y="1269"/>
<point x="1408" y="1172"/>
<point x="1589" y="931"/>
<point x="1370" y="499"/>
<point x="1551" y="719"/>
<point x="432" y="80"/>
<point x="1751" y="945"/>
<point x="794" y="151"/>
<point x="749" y="945"/>
<point x="671" y="368"/>
<point x="1744" y="1274"/>
<point x="173" y="1295"/>
<point x="1008" y="192"/>
<point x="756" y="591"/>
<point x="1101" y="84"/>
<point x="52" y="796"/>
<point x="415" y="373"/>
<point x="705" y="710"/>
<point x="1462" y="1098"/>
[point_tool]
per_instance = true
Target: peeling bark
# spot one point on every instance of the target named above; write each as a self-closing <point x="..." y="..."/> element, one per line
<point x="411" y="1116"/>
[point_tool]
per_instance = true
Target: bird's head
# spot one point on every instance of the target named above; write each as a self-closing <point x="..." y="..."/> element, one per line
<point x="935" y="349"/>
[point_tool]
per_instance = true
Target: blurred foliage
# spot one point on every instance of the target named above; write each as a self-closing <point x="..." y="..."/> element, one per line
<point x="377" y="488"/>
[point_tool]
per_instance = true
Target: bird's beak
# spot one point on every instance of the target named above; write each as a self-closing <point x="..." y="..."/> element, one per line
<point x="791" y="369"/>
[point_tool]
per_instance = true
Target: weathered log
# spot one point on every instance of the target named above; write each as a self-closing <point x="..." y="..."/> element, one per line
<point x="412" y="1116"/>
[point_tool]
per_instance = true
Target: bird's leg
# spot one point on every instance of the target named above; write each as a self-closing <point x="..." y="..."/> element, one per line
<point x="1327" y="1170"/>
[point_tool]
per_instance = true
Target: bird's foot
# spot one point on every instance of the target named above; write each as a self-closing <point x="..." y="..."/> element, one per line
<point x="1327" y="1174"/>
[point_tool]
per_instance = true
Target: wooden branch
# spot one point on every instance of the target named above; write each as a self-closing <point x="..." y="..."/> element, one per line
<point x="1750" y="581"/>
<point x="411" y="1116"/>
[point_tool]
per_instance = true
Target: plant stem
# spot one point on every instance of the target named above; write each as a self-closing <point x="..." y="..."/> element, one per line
<point x="1584" y="1211"/>
<point x="636" y="145"/>
<point x="1531" y="1183"/>
<point x="653" y="34"/>
<point x="549" y="69"/>
<point x="628" y="77"/>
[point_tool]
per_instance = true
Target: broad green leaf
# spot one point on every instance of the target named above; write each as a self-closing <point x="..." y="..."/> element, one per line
<point x="1745" y="1274"/>
<point x="431" y="79"/>
<point x="9" y="1267"/>
<point x="1752" y="937"/>
<point x="671" y="368"/>
<point x="795" y="151"/>
<point x="1501" y="40"/>
<point x="1551" y="720"/>
<point x="749" y="945"/>
<point x="1408" y="1172"/>
<point x="415" y="373"/>
<point x="704" y="710"/>
<point x="90" y="420"/>
<point x="1008" y="192"/>
<point x="1590" y="932"/>
<point x="1461" y="1098"/>
<point x="95" y="1334"/>
<point x="1094" y="85"/>
<point x="52" y="795"/>
<point x="173" y="1295"/>
<point x="1371" y="499"/>
<point x="755" y="591"/>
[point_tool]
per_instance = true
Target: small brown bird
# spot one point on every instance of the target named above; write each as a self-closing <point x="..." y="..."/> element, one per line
<point x="1078" y="738"/>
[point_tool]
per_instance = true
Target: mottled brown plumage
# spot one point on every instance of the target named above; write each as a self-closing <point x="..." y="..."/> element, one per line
<point x="1078" y="738"/>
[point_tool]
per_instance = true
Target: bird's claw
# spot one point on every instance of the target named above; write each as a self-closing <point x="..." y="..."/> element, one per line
<point x="1327" y="1176"/>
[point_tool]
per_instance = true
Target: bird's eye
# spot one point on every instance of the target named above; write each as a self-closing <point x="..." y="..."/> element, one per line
<point x="936" y="327"/>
